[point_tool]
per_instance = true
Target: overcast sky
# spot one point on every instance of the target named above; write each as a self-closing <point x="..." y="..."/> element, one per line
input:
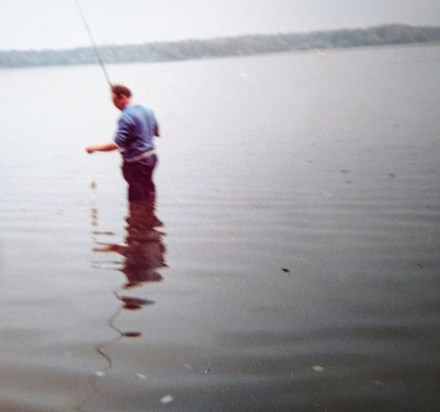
<point x="39" y="24"/>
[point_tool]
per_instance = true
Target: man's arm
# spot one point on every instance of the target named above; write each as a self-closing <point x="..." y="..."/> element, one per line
<point x="104" y="147"/>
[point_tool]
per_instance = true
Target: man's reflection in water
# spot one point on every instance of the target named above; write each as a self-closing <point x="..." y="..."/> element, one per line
<point x="144" y="250"/>
<point x="144" y="255"/>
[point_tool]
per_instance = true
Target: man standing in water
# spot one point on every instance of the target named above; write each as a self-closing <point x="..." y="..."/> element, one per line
<point x="134" y="138"/>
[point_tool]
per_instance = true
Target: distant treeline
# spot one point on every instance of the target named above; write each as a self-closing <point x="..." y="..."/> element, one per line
<point x="222" y="47"/>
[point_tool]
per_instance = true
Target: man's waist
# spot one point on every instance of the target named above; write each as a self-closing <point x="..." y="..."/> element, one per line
<point x="140" y="156"/>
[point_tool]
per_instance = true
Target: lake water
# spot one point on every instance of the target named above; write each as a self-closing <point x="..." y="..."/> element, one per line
<point x="296" y="265"/>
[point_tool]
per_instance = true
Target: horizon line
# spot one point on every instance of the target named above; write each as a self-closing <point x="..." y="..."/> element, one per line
<point x="207" y="39"/>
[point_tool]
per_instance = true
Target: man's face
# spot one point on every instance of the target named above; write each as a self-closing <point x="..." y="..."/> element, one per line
<point x="120" y="101"/>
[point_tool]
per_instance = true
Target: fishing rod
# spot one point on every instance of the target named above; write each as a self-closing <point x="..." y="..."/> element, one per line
<point x="95" y="48"/>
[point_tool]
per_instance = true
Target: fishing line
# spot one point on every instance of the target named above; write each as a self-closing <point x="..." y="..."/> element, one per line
<point x="95" y="48"/>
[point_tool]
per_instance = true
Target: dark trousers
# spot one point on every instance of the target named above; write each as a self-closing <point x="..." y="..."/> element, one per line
<point x="139" y="176"/>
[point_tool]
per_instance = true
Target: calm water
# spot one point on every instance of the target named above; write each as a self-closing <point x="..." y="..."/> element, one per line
<point x="290" y="262"/>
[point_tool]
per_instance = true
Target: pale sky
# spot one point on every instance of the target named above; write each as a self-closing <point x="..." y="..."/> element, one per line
<point x="40" y="24"/>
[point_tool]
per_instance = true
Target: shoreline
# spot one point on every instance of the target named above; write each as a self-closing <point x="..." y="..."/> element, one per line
<point x="239" y="46"/>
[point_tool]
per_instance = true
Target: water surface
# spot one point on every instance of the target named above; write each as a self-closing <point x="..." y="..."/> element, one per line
<point x="289" y="263"/>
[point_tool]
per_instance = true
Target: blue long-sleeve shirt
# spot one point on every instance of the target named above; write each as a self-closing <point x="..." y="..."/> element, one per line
<point x="136" y="129"/>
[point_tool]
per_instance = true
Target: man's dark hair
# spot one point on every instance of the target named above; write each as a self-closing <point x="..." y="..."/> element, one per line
<point x="120" y="90"/>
